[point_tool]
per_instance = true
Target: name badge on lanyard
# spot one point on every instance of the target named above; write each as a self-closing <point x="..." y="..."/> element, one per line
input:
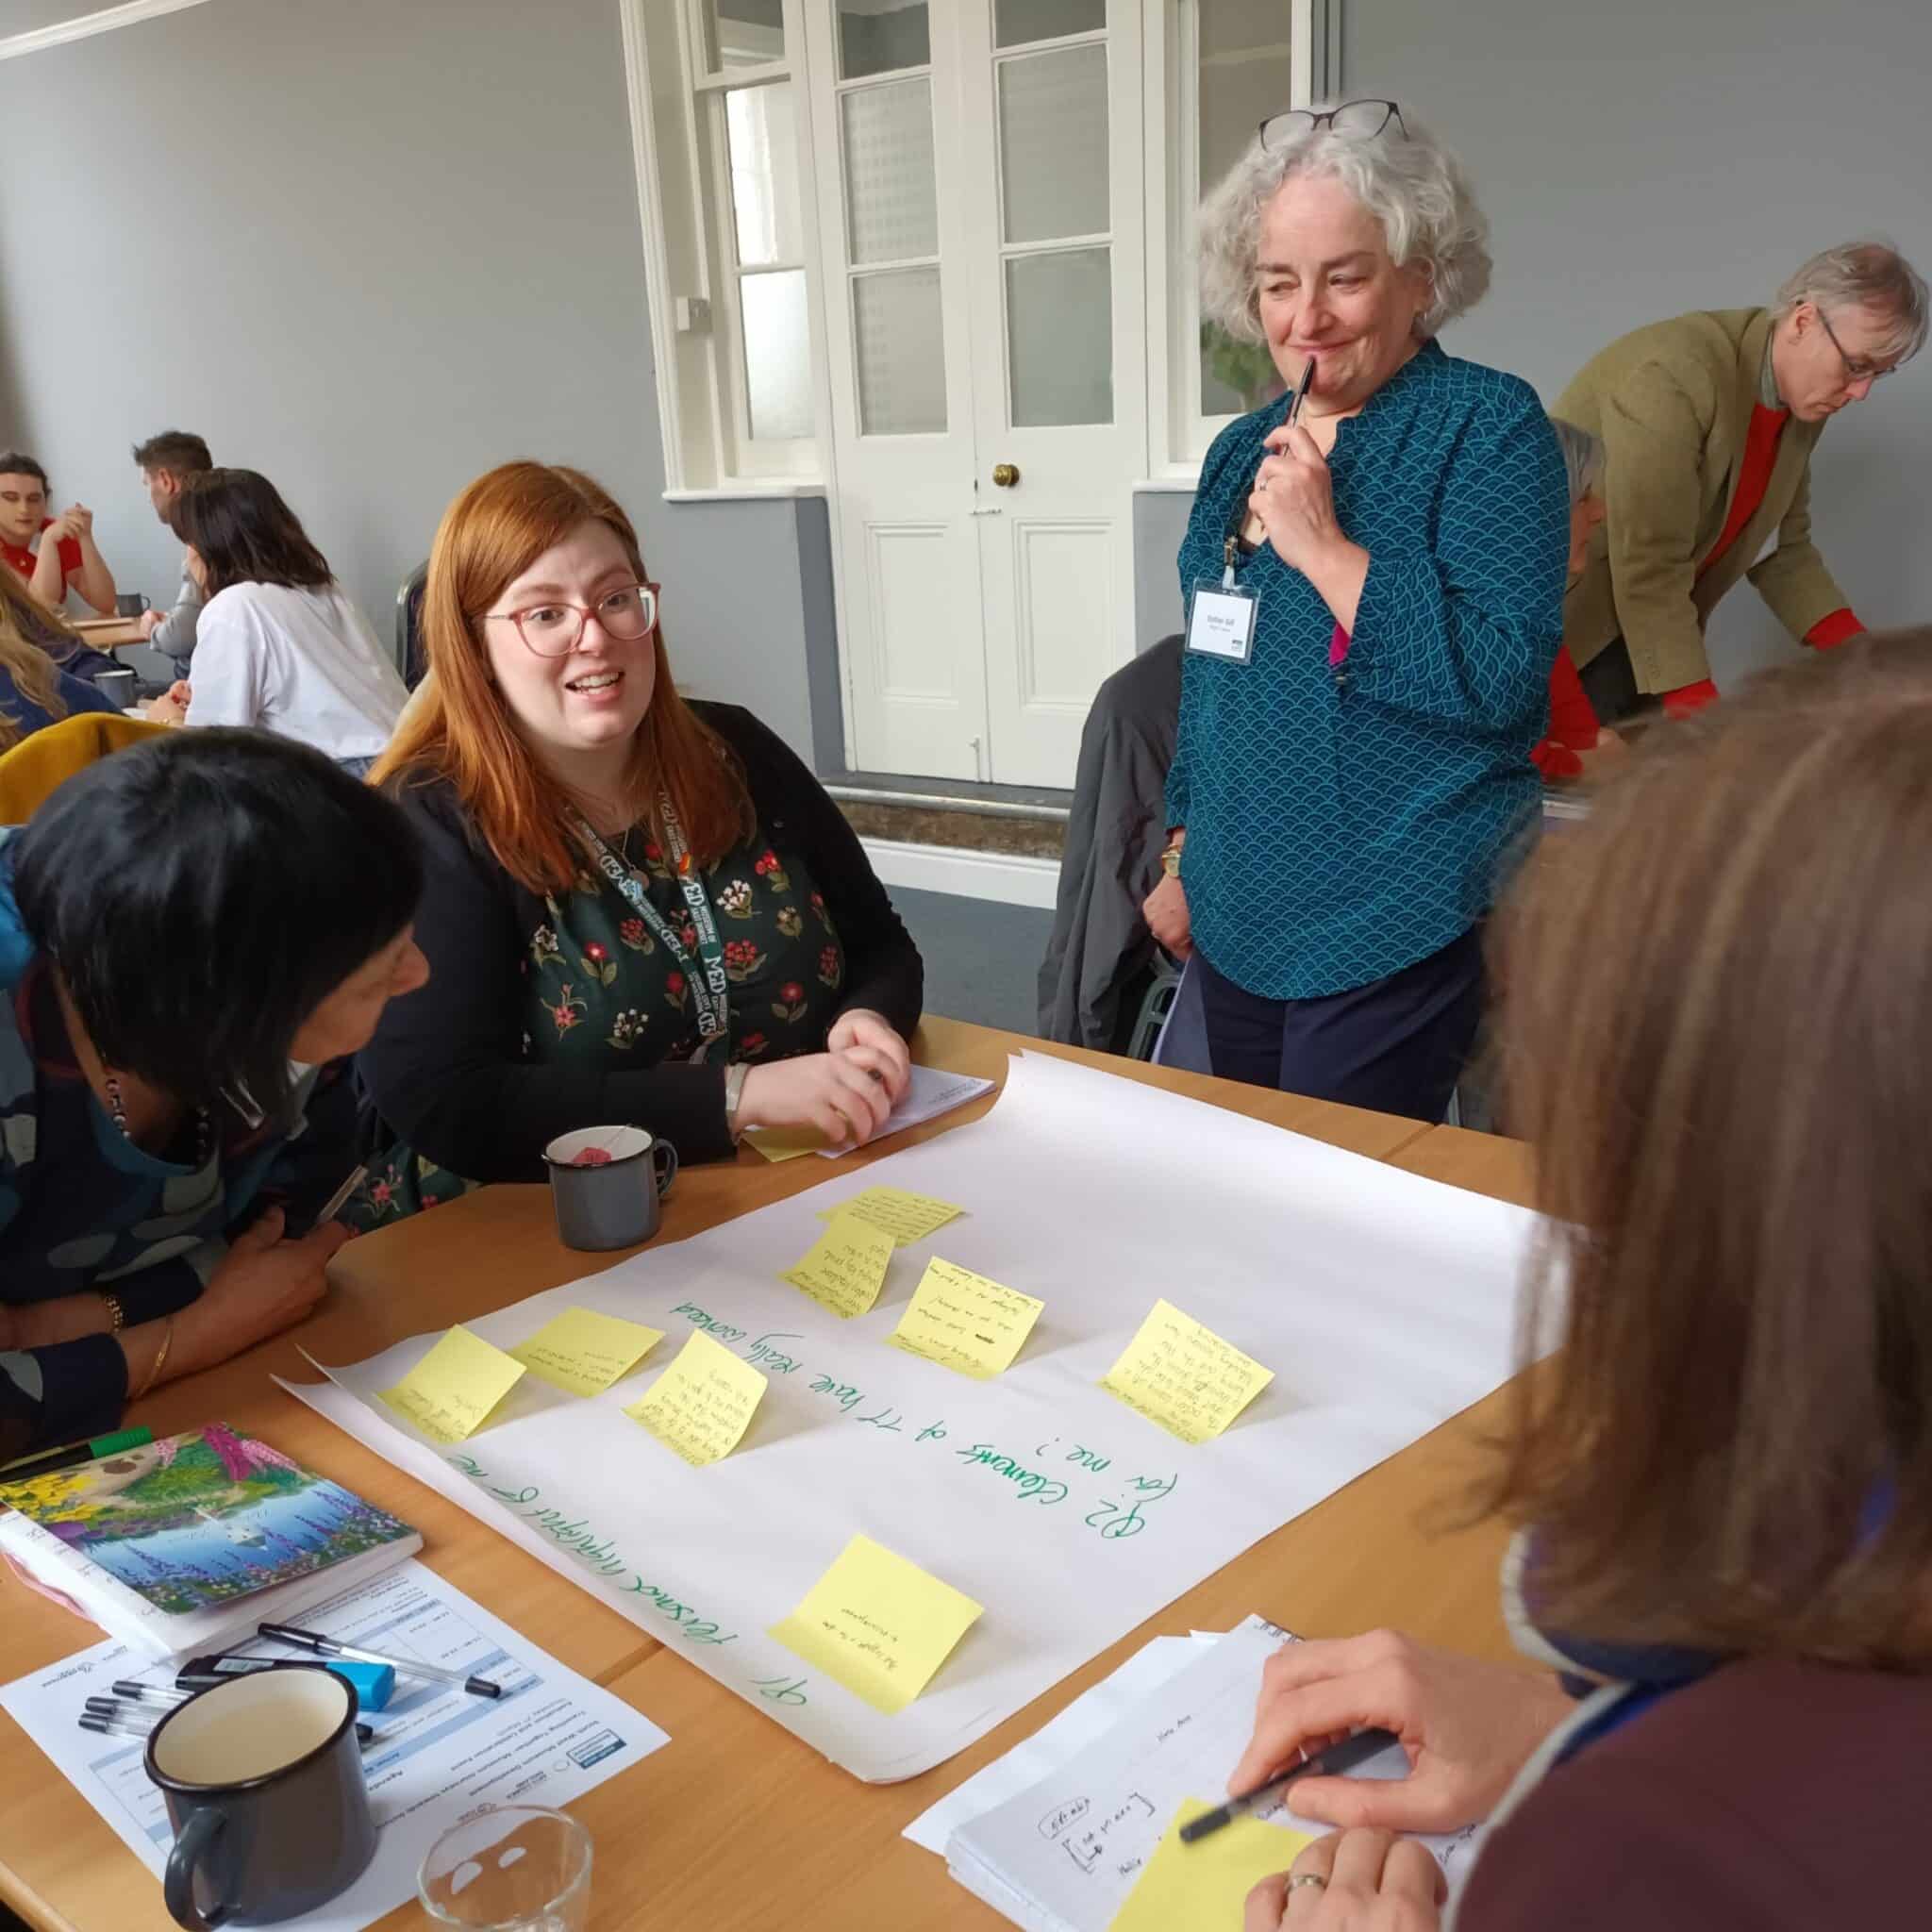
<point x="1221" y="612"/>
<point x="1220" y="621"/>
<point x="710" y="986"/>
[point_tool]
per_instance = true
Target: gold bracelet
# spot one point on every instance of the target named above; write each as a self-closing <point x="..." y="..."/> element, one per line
<point x="154" y="1374"/>
<point x="117" y="1315"/>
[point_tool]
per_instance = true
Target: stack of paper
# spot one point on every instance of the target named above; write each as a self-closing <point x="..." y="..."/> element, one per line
<point x="1066" y="1852"/>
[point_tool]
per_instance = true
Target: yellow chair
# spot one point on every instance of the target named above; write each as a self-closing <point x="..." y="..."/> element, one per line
<point x="47" y="757"/>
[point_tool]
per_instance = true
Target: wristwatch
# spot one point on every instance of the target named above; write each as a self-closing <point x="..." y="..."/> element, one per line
<point x="735" y="1076"/>
<point x="1170" y="861"/>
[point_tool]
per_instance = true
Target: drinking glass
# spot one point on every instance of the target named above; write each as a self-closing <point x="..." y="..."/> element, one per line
<point x="510" y="1868"/>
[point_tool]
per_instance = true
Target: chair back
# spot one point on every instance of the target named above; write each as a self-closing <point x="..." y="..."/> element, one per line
<point x="410" y="659"/>
<point x="46" y="759"/>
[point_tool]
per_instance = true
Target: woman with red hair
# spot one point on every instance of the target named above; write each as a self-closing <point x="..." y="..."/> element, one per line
<point x="638" y="909"/>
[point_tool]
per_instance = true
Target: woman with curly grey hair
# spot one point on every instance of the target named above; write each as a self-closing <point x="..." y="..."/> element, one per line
<point x="1374" y="586"/>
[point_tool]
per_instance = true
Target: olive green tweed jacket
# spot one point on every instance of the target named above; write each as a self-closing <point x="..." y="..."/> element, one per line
<point x="1672" y="404"/>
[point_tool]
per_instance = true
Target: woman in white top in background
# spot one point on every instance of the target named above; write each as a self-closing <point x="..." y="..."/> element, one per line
<point x="279" y="645"/>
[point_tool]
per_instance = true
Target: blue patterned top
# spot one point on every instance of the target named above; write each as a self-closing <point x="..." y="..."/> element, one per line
<point x="1344" y="823"/>
<point x="82" y="1207"/>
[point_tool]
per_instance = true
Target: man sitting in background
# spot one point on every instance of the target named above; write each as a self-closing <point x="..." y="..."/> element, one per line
<point x="167" y="462"/>
<point x="67" y="559"/>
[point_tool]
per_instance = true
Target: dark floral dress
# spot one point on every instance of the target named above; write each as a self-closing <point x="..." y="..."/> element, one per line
<point x="602" y="987"/>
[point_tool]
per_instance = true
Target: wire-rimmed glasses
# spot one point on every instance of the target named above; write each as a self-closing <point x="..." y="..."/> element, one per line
<point x="554" y="628"/>
<point x="1857" y="368"/>
<point x="1357" y="119"/>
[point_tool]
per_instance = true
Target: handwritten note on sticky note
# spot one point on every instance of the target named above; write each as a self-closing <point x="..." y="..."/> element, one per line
<point x="785" y="1143"/>
<point x="582" y="1352"/>
<point x="702" y="1405"/>
<point x="907" y="1217"/>
<point x="965" y="1321"/>
<point x="450" y="1391"/>
<point x="1184" y="1376"/>
<point x="1203" y="1887"/>
<point x="845" y="1268"/>
<point x="878" y="1624"/>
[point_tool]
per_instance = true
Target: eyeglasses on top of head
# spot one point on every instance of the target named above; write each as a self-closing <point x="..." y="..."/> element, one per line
<point x="1857" y="368"/>
<point x="554" y="628"/>
<point x="1356" y="120"/>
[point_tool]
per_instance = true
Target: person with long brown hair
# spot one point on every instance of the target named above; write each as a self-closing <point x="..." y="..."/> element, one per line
<point x="639" y="910"/>
<point x="279" y="646"/>
<point x="1727" y="1468"/>
<point x="34" y="690"/>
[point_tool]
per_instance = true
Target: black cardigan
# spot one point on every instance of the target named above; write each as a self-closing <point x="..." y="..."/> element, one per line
<point x="446" y="1069"/>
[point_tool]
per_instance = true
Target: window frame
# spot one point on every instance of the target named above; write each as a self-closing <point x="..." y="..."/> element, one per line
<point x="681" y="144"/>
<point x="1179" y="431"/>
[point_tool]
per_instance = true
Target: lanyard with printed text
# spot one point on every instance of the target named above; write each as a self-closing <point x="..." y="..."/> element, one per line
<point x="710" y="987"/>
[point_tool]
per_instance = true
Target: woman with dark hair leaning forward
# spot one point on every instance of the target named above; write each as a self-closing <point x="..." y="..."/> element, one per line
<point x="195" y="934"/>
<point x="1726" y="1472"/>
<point x="277" y="645"/>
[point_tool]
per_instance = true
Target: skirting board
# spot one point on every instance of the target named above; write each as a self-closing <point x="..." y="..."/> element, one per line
<point x="1008" y="877"/>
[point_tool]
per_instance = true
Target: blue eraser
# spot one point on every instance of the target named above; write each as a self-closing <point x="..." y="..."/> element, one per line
<point x="374" y="1684"/>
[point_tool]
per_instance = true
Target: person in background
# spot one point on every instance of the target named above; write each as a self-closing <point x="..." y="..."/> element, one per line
<point x="1342" y="797"/>
<point x="1709" y="422"/>
<point x="638" y="909"/>
<point x="1575" y="745"/>
<point x="34" y="691"/>
<point x="67" y="558"/>
<point x="167" y="462"/>
<point x="1727" y="1463"/>
<point x="194" y="932"/>
<point x="278" y="644"/>
<point x="50" y="633"/>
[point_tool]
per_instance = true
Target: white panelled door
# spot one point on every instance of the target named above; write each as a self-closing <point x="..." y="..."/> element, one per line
<point x="980" y="179"/>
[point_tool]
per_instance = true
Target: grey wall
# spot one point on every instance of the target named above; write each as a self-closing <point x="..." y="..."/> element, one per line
<point x="369" y="249"/>
<point x="1655" y="155"/>
<point x="1639" y="159"/>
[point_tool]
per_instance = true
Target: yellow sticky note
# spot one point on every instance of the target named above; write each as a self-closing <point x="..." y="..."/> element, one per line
<point x="965" y="1321"/>
<point x="845" y="1268"/>
<point x="1184" y="1376"/>
<point x="702" y="1405"/>
<point x="907" y="1217"/>
<point x="785" y="1143"/>
<point x="878" y="1624"/>
<point x="582" y="1352"/>
<point x="450" y="1391"/>
<point x="1202" y="1887"/>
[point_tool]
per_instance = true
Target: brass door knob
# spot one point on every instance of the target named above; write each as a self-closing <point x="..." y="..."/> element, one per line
<point x="1006" y="474"/>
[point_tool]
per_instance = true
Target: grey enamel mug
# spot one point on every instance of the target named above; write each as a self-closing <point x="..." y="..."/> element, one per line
<point x="607" y="1185"/>
<point x="263" y="1781"/>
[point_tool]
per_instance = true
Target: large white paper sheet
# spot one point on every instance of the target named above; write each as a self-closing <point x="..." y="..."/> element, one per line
<point x="1063" y="1854"/>
<point x="1382" y="1302"/>
<point x="439" y="1753"/>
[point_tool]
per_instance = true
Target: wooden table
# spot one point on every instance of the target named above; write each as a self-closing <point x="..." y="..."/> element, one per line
<point x="737" y="1824"/>
<point x="110" y="633"/>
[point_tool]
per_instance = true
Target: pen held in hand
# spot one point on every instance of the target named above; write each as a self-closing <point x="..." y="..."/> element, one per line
<point x="339" y="1199"/>
<point x="1301" y="392"/>
<point x="1336" y="1761"/>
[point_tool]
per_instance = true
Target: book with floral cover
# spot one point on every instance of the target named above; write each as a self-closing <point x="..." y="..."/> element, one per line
<point x="180" y="1543"/>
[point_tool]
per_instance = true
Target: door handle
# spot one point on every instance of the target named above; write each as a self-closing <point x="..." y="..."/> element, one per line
<point x="1005" y="475"/>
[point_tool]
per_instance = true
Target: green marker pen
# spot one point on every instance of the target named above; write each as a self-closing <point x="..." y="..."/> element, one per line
<point x="47" y="1462"/>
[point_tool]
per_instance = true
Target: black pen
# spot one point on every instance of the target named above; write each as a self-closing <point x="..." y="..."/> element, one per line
<point x="1301" y="392"/>
<point x="1333" y="1762"/>
<point x="404" y="1667"/>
